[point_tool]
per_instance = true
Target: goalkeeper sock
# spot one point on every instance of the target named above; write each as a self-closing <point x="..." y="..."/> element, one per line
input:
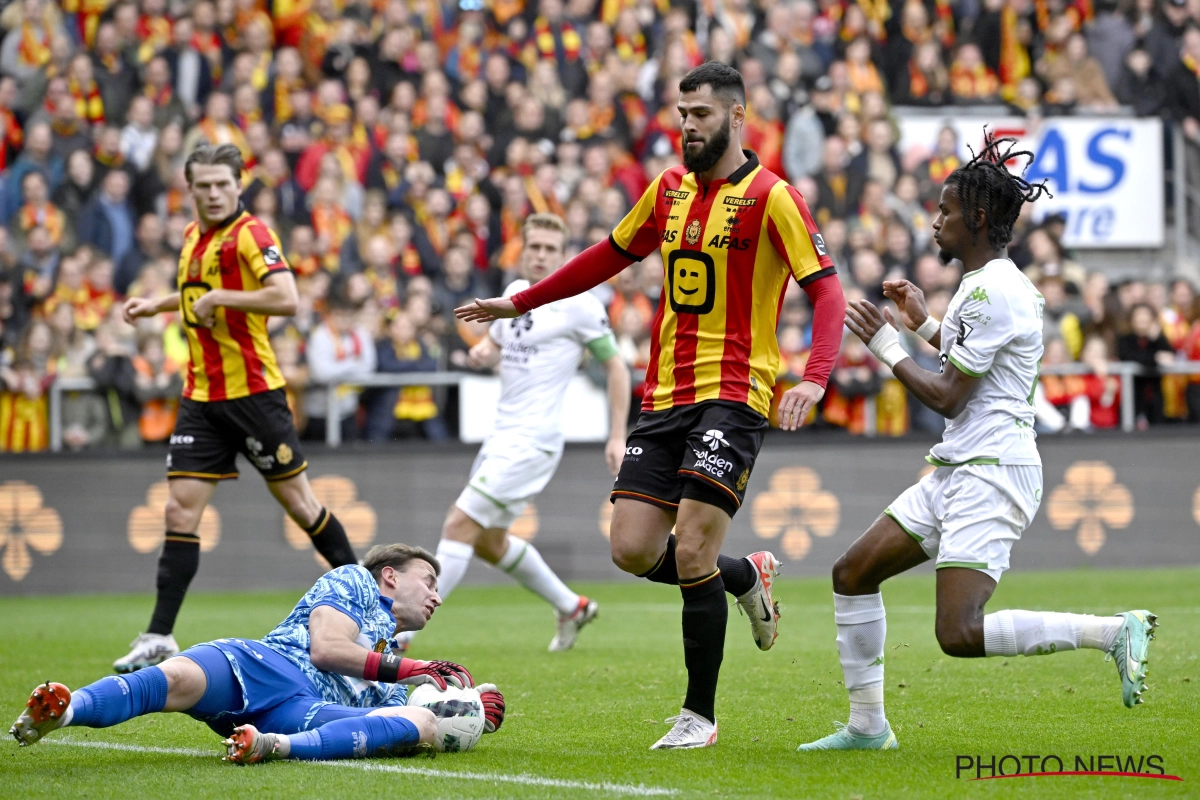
<point x="118" y="698"/>
<point x="523" y="561"/>
<point x="354" y="737"/>
<point x="177" y="566"/>
<point x="454" y="557"/>
<point x="1037" y="633"/>
<point x="705" y="615"/>
<point x="861" y="632"/>
<point x="329" y="538"/>
<point x="737" y="573"/>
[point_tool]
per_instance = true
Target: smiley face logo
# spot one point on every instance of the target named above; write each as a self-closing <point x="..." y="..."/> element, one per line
<point x="692" y="234"/>
<point x="692" y="279"/>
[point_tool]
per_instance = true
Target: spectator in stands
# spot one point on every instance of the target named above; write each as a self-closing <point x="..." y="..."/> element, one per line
<point x="25" y="374"/>
<point x="1103" y="388"/>
<point x="79" y="186"/>
<point x="1183" y="84"/>
<point x="408" y="410"/>
<point x="1165" y="37"/>
<point x="107" y="222"/>
<point x="36" y="157"/>
<point x="157" y="386"/>
<point x="148" y="246"/>
<point x="37" y="211"/>
<point x="113" y="371"/>
<point x="1091" y="87"/>
<point x="1139" y="85"/>
<point x="1146" y="346"/>
<point x="339" y="351"/>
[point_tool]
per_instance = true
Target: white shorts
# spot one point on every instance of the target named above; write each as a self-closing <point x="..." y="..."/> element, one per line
<point x="507" y="474"/>
<point x="969" y="516"/>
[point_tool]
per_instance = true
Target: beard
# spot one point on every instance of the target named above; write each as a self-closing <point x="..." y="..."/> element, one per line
<point x="710" y="153"/>
<point x="945" y="256"/>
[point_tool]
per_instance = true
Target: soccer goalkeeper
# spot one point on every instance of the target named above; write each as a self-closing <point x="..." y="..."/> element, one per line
<point x="309" y="690"/>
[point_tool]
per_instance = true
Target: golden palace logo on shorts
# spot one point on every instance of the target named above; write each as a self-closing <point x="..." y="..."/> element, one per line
<point x="1090" y="498"/>
<point x="340" y="496"/>
<point x="742" y="480"/>
<point x="25" y="524"/>
<point x="147" y="526"/>
<point x="795" y="508"/>
<point x="284" y="455"/>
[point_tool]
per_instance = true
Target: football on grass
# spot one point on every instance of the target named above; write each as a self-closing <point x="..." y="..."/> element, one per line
<point x="459" y="713"/>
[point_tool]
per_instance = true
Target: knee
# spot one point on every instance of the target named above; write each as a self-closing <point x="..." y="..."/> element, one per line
<point x="426" y="724"/>
<point x="180" y="517"/>
<point x="491" y="548"/>
<point x="302" y="506"/>
<point x="960" y="639"/>
<point x="846" y="576"/>
<point x="631" y="557"/>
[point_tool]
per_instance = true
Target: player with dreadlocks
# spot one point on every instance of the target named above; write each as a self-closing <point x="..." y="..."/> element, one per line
<point x="987" y="479"/>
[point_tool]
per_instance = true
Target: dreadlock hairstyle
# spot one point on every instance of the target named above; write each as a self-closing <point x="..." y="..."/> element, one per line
<point x="984" y="183"/>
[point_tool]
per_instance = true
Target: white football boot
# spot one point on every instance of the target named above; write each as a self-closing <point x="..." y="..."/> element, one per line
<point x="758" y="604"/>
<point x="690" y="731"/>
<point x="569" y="624"/>
<point x="149" y="650"/>
<point x="45" y="711"/>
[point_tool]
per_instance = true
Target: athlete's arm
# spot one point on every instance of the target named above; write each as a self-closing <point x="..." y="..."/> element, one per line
<point x="277" y="298"/>
<point x="829" y="309"/>
<point x="332" y="648"/>
<point x="947" y="392"/>
<point x="911" y="301"/>
<point x="147" y="307"/>
<point x="618" y="409"/>
<point x="590" y="268"/>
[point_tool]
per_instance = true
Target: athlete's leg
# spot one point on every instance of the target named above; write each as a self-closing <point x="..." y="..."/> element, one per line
<point x="180" y="558"/>
<point x="525" y="564"/>
<point x="352" y="733"/>
<point x="883" y="551"/>
<point x="328" y="536"/>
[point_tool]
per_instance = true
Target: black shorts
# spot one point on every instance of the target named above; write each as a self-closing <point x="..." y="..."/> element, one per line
<point x="704" y="452"/>
<point x="208" y="437"/>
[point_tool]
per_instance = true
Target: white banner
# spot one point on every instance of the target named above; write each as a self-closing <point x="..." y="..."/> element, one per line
<point x="584" y="419"/>
<point x="1106" y="173"/>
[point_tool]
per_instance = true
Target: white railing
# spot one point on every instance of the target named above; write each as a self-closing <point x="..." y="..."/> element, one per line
<point x="1125" y="370"/>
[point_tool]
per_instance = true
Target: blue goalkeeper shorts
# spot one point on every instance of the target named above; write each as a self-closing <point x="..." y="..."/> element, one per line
<point x="249" y="683"/>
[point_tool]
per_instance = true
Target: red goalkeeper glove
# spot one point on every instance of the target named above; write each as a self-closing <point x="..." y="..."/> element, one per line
<point x="392" y="669"/>
<point x="493" y="707"/>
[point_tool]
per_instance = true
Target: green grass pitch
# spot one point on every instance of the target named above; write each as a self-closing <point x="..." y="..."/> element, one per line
<point x="580" y="723"/>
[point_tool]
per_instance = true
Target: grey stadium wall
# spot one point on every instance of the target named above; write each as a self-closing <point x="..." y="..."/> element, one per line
<point x="94" y="523"/>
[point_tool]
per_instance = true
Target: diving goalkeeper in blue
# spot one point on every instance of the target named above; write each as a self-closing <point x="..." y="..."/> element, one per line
<point x="323" y="684"/>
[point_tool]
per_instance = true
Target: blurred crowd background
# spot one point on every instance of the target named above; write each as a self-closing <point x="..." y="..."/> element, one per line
<point x="396" y="146"/>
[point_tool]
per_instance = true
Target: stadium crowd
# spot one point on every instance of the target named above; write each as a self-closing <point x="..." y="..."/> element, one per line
<point x="397" y="145"/>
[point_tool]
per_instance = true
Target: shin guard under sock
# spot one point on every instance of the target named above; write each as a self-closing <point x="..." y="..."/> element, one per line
<point x="329" y="538"/>
<point x="118" y="698"/>
<point x="737" y="573"/>
<point x="705" y="615"/>
<point x="177" y="566"/>
<point x="355" y="737"/>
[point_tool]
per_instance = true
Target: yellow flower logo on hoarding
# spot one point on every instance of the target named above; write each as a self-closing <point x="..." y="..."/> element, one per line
<point x="147" y="528"/>
<point x="26" y="524"/>
<point x="1091" y="498"/>
<point x="340" y="496"/>
<point x="795" y="508"/>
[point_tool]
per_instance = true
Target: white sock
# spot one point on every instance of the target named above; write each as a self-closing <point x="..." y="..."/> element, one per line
<point x="454" y="557"/>
<point x="862" y="630"/>
<point x="1037" y="633"/>
<point x="525" y="564"/>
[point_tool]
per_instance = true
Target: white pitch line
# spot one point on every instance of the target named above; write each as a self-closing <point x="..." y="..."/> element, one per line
<point x="424" y="772"/>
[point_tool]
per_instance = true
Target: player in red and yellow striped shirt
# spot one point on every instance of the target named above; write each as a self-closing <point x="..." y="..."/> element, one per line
<point x="731" y="234"/>
<point x="232" y="277"/>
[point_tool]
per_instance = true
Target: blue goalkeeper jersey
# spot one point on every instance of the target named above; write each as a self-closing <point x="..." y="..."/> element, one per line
<point x="352" y="590"/>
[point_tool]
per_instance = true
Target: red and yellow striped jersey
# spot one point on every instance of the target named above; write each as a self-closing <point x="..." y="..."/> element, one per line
<point x="233" y="358"/>
<point x="727" y="249"/>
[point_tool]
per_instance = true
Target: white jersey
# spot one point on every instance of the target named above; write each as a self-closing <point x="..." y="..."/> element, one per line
<point x="540" y="353"/>
<point x="993" y="331"/>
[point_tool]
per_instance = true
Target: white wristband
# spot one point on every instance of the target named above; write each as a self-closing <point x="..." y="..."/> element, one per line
<point x="928" y="328"/>
<point x="885" y="345"/>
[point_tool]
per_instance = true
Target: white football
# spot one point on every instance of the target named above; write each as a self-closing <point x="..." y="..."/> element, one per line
<point x="459" y="714"/>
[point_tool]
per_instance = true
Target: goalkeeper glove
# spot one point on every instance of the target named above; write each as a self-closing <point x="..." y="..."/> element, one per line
<point x="493" y="707"/>
<point x="393" y="669"/>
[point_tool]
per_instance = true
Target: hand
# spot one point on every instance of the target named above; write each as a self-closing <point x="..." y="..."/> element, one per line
<point x="614" y="454"/>
<point x="493" y="707"/>
<point x="204" y="309"/>
<point x="910" y="300"/>
<point x="797" y="402"/>
<point x="439" y="673"/>
<point x="138" y="307"/>
<point x="865" y="320"/>
<point x="477" y="356"/>
<point x="488" y="310"/>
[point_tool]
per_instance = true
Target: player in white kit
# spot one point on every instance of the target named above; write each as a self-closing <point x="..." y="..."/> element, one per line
<point x="987" y="481"/>
<point x="538" y="354"/>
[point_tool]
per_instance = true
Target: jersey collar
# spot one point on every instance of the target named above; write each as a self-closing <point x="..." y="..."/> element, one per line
<point x="739" y="174"/>
<point x="237" y="212"/>
<point x="386" y="603"/>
